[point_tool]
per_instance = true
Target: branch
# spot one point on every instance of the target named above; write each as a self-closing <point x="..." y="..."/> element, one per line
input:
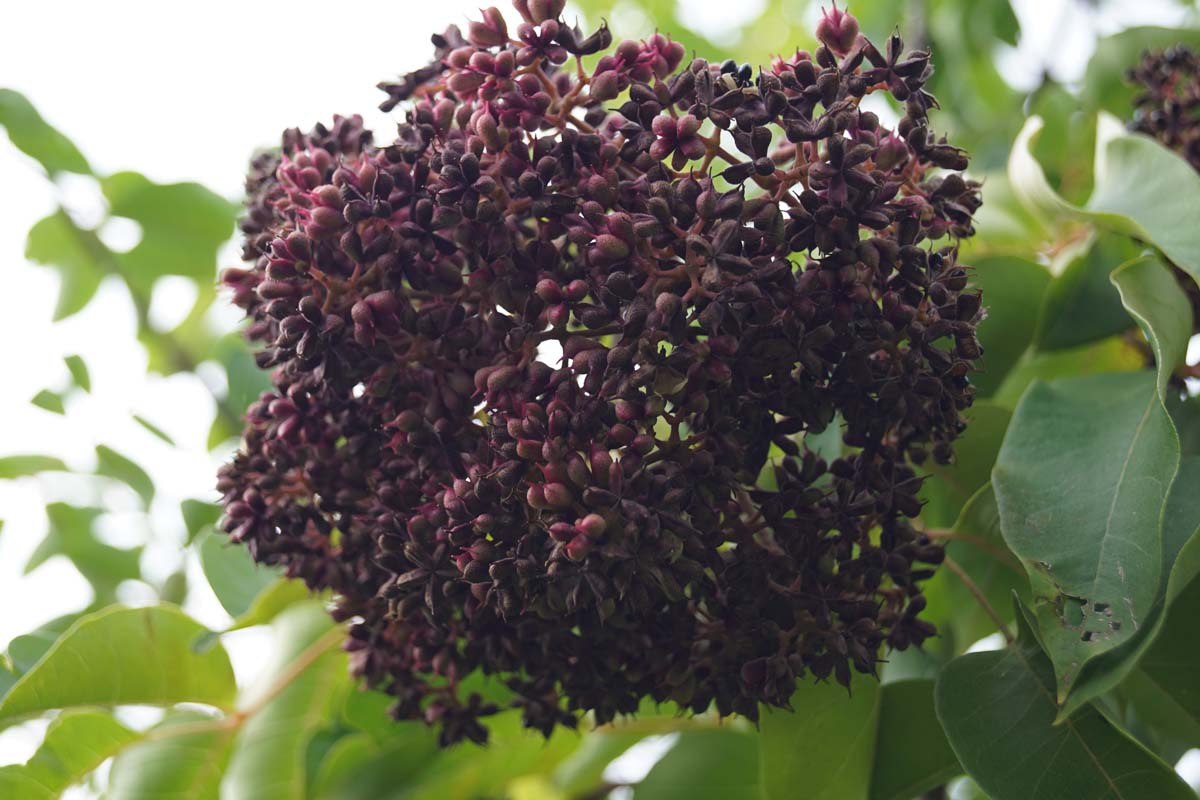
<point x="974" y="589"/>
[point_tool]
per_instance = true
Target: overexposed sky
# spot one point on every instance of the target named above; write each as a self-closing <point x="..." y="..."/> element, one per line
<point x="187" y="91"/>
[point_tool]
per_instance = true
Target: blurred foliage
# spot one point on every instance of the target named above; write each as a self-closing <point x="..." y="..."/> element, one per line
<point x="1053" y="231"/>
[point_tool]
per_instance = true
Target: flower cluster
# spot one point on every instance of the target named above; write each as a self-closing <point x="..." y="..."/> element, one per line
<point x="549" y="368"/>
<point x="1167" y="105"/>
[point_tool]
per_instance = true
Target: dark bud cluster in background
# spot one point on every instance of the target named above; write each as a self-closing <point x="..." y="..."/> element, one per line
<point x="1167" y="107"/>
<point x="548" y="364"/>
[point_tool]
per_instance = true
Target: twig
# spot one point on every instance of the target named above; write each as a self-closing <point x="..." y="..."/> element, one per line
<point x="974" y="589"/>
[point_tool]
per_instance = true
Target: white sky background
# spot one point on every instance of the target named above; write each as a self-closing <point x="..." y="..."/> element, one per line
<point x="186" y="91"/>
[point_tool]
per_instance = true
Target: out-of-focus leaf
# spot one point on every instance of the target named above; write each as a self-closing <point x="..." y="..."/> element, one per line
<point x="708" y="765"/>
<point x="79" y="372"/>
<point x="183" y="225"/>
<point x="1081" y="304"/>
<point x="112" y="464"/>
<point x="76" y="743"/>
<point x="1109" y="355"/>
<point x="133" y="656"/>
<point x="56" y="241"/>
<point x="1105" y="86"/>
<point x="950" y="486"/>
<point x="234" y="576"/>
<point x="153" y="429"/>
<point x="1150" y="714"/>
<point x="50" y="401"/>
<point x="22" y="465"/>
<point x="36" y="138"/>
<point x="826" y="744"/>
<point x="27" y="649"/>
<point x="175" y="765"/>
<point x="583" y="770"/>
<point x="911" y="753"/>
<point x="470" y="770"/>
<point x="998" y="712"/>
<point x="246" y="380"/>
<point x="70" y="534"/>
<point x="279" y="595"/>
<point x="1013" y="288"/>
<point x="269" y="753"/>
<point x="1065" y="146"/>
<point x="984" y="556"/>
<point x="358" y="767"/>
<point x="197" y="516"/>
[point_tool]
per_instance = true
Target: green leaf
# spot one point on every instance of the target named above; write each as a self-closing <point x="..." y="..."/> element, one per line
<point x="1080" y="483"/>
<point x="133" y="656"/>
<point x="951" y="486"/>
<point x="278" y="596"/>
<point x="234" y="576"/>
<point x="1110" y="355"/>
<point x="1171" y="662"/>
<point x="198" y="516"/>
<point x="707" y="765"/>
<point x="36" y="138"/>
<point x="1161" y="211"/>
<point x="171" y="764"/>
<point x="998" y="711"/>
<point x="513" y="751"/>
<point x="153" y="429"/>
<point x="75" y="744"/>
<point x="357" y="767"/>
<point x="583" y="770"/>
<point x="112" y="464"/>
<point x="1012" y="291"/>
<point x="825" y="745"/>
<point x="1082" y="305"/>
<point x="50" y="401"/>
<point x="183" y="225"/>
<point x="983" y="554"/>
<point x="27" y="649"/>
<point x="79" y="372"/>
<point x="56" y="241"/>
<point x="269" y="754"/>
<point x="912" y="755"/>
<point x="24" y="465"/>
<point x="70" y="534"/>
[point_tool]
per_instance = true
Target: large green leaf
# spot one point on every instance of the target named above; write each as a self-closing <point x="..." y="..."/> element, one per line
<point x="132" y="656"/>
<point x="998" y="711"/>
<point x="27" y="649"/>
<point x="71" y="534"/>
<point x="706" y="765"/>
<point x="76" y="743"/>
<point x="825" y="746"/>
<point x="1110" y="355"/>
<point x="36" y="138"/>
<point x="1012" y="292"/>
<point x="56" y="241"/>
<point x="269" y="753"/>
<point x="183" y="225"/>
<point x="912" y="755"/>
<point x="172" y="763"/>
<point x="234" y="576"/>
